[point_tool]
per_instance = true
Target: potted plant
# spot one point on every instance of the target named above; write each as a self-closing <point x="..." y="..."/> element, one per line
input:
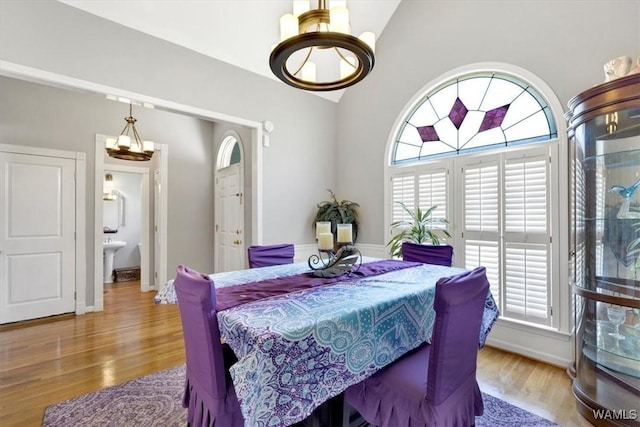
<point x="421" y="228"/>
<point x="338" y="212"/>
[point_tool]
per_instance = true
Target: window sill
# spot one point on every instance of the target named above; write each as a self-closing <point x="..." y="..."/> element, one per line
<point x="533" y="328"/>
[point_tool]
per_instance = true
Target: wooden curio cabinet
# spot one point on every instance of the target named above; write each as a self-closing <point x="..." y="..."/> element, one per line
<point x="604" y="144"/>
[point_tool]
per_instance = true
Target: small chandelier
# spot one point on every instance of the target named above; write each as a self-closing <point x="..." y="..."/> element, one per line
<point x="323" y="34"/>
<point x="126" y="149"/>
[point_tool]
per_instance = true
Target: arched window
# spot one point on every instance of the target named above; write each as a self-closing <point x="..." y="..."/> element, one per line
<point x="230" y="152"/>
<point x="473" y="112"/>
<point x="484" y="147"/>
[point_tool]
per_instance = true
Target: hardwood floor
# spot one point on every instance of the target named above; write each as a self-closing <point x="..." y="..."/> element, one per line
<point x="46" y="361"/>
<point x="535" y="386"/>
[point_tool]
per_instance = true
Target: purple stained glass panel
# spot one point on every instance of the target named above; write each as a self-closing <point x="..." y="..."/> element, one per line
<point x="458" y="113"/>
<point x="493" y="118"/>
<point x="428" y="133"/>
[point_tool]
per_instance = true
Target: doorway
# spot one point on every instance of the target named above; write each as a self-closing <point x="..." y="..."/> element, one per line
<point x="126" y="215"/>
<point x="229" y="205"/>
<point x="153" y="240"/>
<point x="255" y="147"/>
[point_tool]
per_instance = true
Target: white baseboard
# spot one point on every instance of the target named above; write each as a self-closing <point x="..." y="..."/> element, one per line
<point x="546" y="346"/>
<point x="374" y="251"/>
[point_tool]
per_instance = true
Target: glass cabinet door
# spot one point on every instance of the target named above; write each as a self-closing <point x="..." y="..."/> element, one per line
<point x="605" y="149"/>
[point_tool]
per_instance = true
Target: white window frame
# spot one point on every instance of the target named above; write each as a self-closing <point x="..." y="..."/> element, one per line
<point x="559" y="295"/>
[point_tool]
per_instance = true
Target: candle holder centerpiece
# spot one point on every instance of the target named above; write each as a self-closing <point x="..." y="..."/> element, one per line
<point x="334" y="260"/>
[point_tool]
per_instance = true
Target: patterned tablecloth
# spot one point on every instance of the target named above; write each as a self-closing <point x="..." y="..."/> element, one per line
<point x="167" y="295"/>
<point x="298" y="350"/>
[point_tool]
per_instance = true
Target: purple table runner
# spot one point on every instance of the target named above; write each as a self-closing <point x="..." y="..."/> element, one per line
<point x="248" y="292"/>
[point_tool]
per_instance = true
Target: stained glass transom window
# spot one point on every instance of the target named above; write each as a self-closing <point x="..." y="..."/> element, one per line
<point x="471" y="113"/>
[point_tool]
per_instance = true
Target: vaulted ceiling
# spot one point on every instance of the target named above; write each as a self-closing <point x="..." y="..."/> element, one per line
<point x="239" y="32"/>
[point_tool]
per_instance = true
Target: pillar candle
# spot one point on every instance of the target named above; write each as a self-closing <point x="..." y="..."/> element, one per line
<point x="345" y="233"/>
<point x="325" y="241"/>
<point x="322" y="227"/>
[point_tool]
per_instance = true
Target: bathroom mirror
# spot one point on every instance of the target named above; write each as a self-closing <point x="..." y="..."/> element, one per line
<point x="113" y="210"/>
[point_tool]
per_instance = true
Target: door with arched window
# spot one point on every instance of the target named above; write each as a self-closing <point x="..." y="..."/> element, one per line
<point x="229" y="211"/>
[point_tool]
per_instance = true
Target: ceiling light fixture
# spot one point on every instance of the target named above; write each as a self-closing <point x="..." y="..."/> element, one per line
<point x="322" y="33"/>
<point x="126" y="149"/>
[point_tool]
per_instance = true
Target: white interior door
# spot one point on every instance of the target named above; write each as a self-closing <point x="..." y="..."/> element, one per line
<point x="37" y="236"/>
<point x="230" y="228"/>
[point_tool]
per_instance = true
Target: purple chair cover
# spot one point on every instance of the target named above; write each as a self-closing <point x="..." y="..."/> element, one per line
<point x="209" y="394"/>
<point x="428" y="254"/>
<point x="264" y="256"/>
<point x="434" y="385"/>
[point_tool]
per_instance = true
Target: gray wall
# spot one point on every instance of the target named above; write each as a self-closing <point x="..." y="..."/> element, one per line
<point x="298" y="166"/>
<point x="42" y="116"/>
<point x="52" y="36"/>
<point x="565" y="43"/>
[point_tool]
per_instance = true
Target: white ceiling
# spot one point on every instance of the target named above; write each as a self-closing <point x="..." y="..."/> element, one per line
<point x="239" y="32"/>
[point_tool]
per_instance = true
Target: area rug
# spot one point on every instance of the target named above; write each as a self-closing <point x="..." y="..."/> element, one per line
<point x="155" y="400"/>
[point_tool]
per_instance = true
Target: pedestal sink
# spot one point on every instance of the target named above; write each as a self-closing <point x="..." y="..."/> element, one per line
<point x="109" y="249"/>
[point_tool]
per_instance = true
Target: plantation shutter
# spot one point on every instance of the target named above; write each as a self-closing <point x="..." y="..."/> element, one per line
<point x="481" y="199"/>
<point x="403" y="190"/>
<point x="481" y="219"/>
<point x="580" y="228"/>
<point x="526" y="237"/>
<point x="579" y="211"/>
<point x="422" y="187"/>
<point x="506" y="229"/>
<point x="432" y="191"/>
<point x="486" y="254"/>
<point x="600" y="213"/>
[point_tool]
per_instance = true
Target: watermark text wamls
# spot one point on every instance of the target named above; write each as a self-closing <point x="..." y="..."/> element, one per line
<point x="618" y="414"/>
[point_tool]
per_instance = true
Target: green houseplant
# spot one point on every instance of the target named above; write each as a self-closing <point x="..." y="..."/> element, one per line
<point x="338" y="212"/>
<point x="420" y="228"/>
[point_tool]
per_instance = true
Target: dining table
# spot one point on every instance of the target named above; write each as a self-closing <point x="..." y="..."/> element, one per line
<point x="301" y="340"/>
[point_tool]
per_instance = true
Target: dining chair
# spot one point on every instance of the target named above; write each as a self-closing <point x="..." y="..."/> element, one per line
<point x="264" y="256"/>
<point x="428" y="254"/>
<point x="434" y="385"/>
<point x="209" y="394"/>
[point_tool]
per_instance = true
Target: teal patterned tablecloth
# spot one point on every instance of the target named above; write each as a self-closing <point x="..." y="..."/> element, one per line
<point x="298" y="350"/>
